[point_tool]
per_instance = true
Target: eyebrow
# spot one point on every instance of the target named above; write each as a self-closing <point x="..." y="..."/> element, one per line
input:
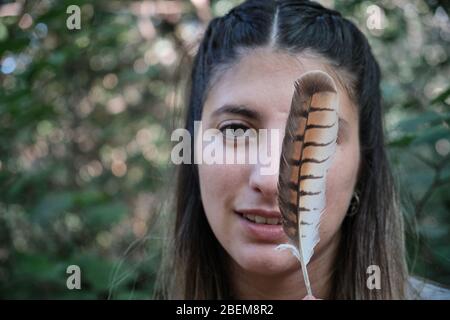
<point x="241" y="110"/>
<point x="244" y="111"/>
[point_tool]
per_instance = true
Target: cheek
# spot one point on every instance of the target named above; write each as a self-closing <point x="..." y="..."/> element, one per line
<point x="215" y="181"/>
<point x="341" y="181"/>
<point x="219" y="186"/>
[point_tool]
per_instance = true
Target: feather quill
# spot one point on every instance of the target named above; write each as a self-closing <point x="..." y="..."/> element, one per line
<point x="307" y="152"/>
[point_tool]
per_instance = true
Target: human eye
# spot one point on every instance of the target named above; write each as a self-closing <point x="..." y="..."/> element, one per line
<point x="235" y="130"/>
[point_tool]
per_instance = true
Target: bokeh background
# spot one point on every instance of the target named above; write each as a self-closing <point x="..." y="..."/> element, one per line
<point x="85" y="123"/>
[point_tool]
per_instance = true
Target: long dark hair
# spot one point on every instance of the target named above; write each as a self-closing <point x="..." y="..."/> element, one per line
<point x="196" y="267"/>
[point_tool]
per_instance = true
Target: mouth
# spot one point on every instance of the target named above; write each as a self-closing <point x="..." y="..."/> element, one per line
<point x="261" y="220"/>
<point x="262" y="225"/>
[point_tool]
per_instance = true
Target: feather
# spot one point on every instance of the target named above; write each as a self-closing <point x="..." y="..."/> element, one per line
<point x="307" y="152"/>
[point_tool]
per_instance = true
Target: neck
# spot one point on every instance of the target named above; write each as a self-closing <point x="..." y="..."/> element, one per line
<point x="289" y="285"/>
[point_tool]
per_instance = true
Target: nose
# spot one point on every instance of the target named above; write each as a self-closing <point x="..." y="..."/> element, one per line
<point x="264" y="175"/>
<point x="265" y="184"/>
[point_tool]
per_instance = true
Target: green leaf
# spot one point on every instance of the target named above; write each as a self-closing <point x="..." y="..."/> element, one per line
<point x="96" y="272"/>
<point x="422" y="120"/>
<point x="403" y="141"/>
<point x="441" y="97"/>
<point x="103" y="216"/>
<point x="39" y="268"/>
<point x="86" y="198"/>
<point x="432" y="135"/>
<point x="52" y="206"/>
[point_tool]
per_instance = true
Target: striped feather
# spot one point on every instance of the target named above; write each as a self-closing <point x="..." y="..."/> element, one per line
<point x="307" y="152"/>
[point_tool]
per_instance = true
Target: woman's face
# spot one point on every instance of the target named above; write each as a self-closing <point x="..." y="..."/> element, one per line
<point x="262" y="82"/>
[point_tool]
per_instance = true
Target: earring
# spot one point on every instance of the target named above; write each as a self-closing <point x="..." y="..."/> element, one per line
<point x="354" y="204"/>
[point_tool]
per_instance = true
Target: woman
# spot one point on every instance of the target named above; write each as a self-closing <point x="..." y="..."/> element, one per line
<point x="248" y="61"/>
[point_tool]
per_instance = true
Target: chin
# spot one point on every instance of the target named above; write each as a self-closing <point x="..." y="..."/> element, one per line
<point x="264" y="259"/>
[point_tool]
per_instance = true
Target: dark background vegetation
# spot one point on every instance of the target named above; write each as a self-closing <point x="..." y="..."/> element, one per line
<point x="85" y="123"/>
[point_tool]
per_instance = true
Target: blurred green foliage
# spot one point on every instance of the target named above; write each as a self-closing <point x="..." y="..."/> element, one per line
<point x="85" y="123"/>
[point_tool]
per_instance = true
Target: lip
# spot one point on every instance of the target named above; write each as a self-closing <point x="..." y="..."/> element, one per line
<point x="261" y="212"/>
<point x="261" y="232"/>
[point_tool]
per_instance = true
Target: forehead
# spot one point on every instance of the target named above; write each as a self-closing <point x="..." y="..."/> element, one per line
<point x="263" y="80"/>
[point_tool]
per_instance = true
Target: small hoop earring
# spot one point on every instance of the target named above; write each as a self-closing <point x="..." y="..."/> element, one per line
<point x="354" y="204"/>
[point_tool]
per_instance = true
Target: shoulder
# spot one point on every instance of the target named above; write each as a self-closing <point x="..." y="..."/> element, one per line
<point x="423" y="289"/>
